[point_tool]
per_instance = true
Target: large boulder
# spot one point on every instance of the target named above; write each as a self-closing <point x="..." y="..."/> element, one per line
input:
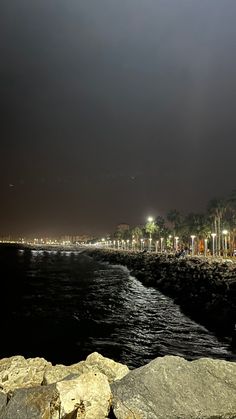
<point x="94" y="363"/>
<point x="33" y="403"/>
<point x="87" y="397"/>
<point x="58" y="372"/>
<point x="171" y="387"/>
<point x="18" y="372"/>
<point x="113" y="370"/>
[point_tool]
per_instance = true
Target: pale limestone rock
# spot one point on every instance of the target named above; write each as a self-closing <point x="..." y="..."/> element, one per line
<point x="88" y="396"/>
<point x="59" y="372"/>
<point x="94" y="363"/>
<point x="113" y="370"/>
<point x="173" y="388"/>
<point x="18" y="372"/>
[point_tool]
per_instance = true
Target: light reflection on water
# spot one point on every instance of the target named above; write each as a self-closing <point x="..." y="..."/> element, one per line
<point x="68" y="306"/>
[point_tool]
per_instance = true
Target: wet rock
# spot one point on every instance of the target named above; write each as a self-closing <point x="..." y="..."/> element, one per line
<point x="87" y="397"/>
<point x="33" y="403"/>
<point x="16" y="372"/>
<point x="171" y="387"/>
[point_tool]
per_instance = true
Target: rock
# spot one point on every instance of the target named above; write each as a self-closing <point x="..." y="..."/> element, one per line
<point x="87" y="397"/>
<point x="16" y="372"/>
<point x="113" y="370"/>
<point x="171" y="387"/>
<point x="56" y="373"/>
<point x="3" y="402"/>
<point x="33" y="403"/>
<point x="94" y="363"/>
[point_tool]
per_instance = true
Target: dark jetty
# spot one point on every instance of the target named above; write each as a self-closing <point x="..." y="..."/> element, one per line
<point x="205" y="289"/>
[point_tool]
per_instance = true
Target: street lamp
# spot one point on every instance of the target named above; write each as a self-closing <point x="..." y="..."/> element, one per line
<point x="176" y="243"/>
<point x="150" y="220"/>
<point x="162" y="244"/>
<point x="213" y="235"/>
<point x="193" y="237"/>
<point x="141" y="243"/>
<point x="225" y="232"/>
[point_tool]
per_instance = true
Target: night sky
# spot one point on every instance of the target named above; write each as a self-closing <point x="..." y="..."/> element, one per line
<point x="112" y="110"/>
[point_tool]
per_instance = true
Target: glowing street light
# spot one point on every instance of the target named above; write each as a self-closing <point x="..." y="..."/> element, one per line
<point x="142" y="242"/>
<point x="162" y="239"/>
<point x="193" y="237"/>
<point x="225" y="233"/>
<point x="213" y="235"/>
<point x="176" y="243"/>
<point x="150" y="220"/>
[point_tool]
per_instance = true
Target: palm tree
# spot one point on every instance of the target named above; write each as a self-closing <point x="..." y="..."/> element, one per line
<point x="150" y="228"/>
<point x="216" y="210"/>
<point x="231" y="219"/>
<point x="199" y="225"/>
<point x="137" y="233"/>
<point x="175" y="219"/>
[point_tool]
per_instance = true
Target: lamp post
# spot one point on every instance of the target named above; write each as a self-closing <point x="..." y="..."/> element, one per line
<point x="225" y="232"/>
<point x="141" y="244"/>
<point x="150" y="220"/>
<point x="162" y="244"/>
<point x="176" y="243"/>
<point x="213" y="235"/>
<point x="193" y="237"/>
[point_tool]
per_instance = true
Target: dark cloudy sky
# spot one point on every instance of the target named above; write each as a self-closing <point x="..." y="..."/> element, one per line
<point x="114" y="109"/>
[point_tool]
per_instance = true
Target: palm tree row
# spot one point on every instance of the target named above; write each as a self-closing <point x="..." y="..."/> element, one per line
<point x="176" y="229"/>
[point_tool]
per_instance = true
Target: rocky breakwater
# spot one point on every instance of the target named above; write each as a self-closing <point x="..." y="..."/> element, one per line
<point x="99" y="388"/>
<point x="205" y="289"/>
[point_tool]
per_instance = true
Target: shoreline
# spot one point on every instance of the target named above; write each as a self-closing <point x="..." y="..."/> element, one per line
<point x="204" y="289"/>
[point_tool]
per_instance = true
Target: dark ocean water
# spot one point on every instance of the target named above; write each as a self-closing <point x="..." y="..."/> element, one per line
<point x="64" y="305"/>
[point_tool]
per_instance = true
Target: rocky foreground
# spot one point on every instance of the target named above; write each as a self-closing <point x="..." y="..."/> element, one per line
<point x="98" y="388"/>
<point x="204" y="288"/>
